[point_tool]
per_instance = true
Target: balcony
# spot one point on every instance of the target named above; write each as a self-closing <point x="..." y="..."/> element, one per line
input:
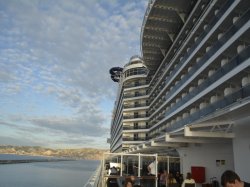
<point x="135" y="85"/>
<point x="222" y="71"/>
<point x="220" y="104"/>
<point x="134" y="95"/>
<point x="216" y="76"/>
<point x="198" y="41"/>
<point x="134" y="139"/>
<point x="213" y="50"/>
<point x="134" y="128"/>
<point x="136" y="116"/>
<point x="135" y="106"/>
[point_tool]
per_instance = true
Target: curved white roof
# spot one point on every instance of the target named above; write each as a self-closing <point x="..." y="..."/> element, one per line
<point x="162" y="23"/>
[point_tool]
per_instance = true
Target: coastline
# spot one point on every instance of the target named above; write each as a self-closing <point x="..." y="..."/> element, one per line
<point x="25" y="158"/>
<point x="81" y="153"/>
<point x="32" y="160"/>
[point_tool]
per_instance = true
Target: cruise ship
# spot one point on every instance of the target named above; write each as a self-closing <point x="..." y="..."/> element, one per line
<point x="188" y="94"/>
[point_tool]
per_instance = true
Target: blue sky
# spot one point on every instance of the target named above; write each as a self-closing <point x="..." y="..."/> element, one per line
<point x="55" y="56"/>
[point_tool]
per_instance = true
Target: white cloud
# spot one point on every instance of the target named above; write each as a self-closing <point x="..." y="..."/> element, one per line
<point x="63" y="50"/>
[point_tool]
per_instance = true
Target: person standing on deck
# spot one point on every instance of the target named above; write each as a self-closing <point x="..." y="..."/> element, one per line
<point x="151" y="172"/>
<point x="188" y="180"/>
<point x="151" y="168"/>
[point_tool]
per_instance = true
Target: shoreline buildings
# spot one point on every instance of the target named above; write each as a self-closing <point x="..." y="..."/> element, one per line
<point x="188" y="95"/>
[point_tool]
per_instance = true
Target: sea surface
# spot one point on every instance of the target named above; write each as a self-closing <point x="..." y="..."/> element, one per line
<point x="45" y="174"/>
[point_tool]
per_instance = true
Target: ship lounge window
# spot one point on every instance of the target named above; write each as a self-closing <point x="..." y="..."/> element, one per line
<point x="135" y="71"/>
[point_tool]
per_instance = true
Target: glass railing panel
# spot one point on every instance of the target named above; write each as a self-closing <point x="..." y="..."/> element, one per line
<point x="134" y="139"/>
<point x="134" y="128"/>
<point x="226" y="101"/>
<point x="217" y="75"/>
<point x="210" y="25"/>
<point x="135" y="106"/>
<point x="214" y="48"/>
<point x="133" y="85"/>
<point x="135" y="117"/>
<point x="134" y="95"/>
<point x="219" y="42"/>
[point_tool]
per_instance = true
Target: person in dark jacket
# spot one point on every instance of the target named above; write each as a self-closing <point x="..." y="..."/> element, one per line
<point x="231" y="179"/>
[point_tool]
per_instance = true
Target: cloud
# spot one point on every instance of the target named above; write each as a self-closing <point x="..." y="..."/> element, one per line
<point x="5" y="140"/>
<point x="57" y="131"/>
<point x="6" y="77"/>
<point x="84" y="127"/>
<point x="55" y="56"/>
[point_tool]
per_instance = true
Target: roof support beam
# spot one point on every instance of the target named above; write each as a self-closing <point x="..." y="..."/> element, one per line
<point x="171" y="36"/>
<point x="144" y="146"/>
<point x="214" y="123"/>
<point x="182" y="16"/>
<point x="163" y="52"/>
<point x="189" y="133"/>
<point x="168" y="138"/>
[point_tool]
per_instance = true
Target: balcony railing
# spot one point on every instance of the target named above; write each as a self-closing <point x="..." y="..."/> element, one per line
<point x="135" y="116"/>
<point x="134" y="128"/>
<point x="135" y="106"/>
<point x="134" y="139"/>
<point x="134" y="95"/>
<point x="214" y="49"/>
<point x="200" y="38"/>
<point x="216" y="76"/>
<point x="135" y="85"/>
<point x="220" y="104"/>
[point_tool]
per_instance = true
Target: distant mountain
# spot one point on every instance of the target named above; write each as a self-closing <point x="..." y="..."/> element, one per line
<point x="83" y="153"/>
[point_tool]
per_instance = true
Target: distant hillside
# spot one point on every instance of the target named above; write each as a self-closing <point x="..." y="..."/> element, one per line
<point x="84" y="153"/>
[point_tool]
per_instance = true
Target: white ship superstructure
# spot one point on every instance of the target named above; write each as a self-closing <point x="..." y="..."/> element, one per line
<point x="189" y="93"/>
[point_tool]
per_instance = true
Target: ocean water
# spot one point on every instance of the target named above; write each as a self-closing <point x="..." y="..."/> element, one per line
<point x="46" y="174"/>
<point x="21" y="157"/>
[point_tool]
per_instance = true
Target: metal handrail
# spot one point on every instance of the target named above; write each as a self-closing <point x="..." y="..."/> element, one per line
<point x="220" y="104"/>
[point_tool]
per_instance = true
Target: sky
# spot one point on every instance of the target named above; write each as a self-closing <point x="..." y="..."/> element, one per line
<point x="55" y="56"/>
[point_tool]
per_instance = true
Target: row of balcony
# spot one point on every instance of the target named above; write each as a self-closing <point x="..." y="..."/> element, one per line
<point x="181" y="39"/>
<point x="194" y="115"/>
<point x="206" y="83"/>
<point x="212" y="50"/>
<point x="210" y="108"/>
<point x="194" y="46"/>
<point x="230" y="94"/>
<point x="220" y="72"/>
<point x="216" y="76"/>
